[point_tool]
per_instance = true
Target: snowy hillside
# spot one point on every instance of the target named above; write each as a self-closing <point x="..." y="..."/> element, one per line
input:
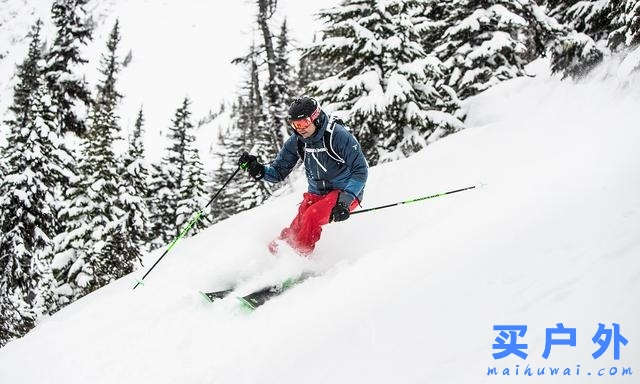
<point x="185" y="47"/>
<point x="408" y="294"/>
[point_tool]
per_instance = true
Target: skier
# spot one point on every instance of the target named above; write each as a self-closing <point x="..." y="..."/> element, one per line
<point x="335" y="166"/>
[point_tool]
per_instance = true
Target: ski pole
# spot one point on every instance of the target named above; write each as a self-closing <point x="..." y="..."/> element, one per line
<point x="413" y="200"/>
<point x="191" y="223"/>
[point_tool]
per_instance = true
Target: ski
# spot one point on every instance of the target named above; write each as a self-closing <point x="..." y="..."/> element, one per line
<point x="254" y="300"/>
<point x="215" y="295"/>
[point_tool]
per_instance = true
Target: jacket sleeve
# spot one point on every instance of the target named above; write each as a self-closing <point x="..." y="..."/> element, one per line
<point x="347" y="147"/>
<point x="288" y="157"/>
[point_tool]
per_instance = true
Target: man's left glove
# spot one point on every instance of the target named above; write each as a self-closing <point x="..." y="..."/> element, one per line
<point x="250" y="163"/>
<point x="340" y="212"/>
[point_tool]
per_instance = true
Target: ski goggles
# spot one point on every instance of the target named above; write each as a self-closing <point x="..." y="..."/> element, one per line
<point x="304" y="122"/>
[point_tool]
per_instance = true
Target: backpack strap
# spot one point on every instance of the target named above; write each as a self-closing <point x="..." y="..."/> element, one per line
<point x="328" y="142"/>
<point x="301" y="151"/>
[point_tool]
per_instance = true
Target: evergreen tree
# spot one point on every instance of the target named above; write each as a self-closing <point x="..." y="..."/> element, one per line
<point x="626" y="22"/>
<point x="159" y="207"/>
<point x="133" y="189"/>
<point x="3" y="166"/>
<point x="312" y="69"/>
<point x="271" y="105"/>
<point x="179" y="184"/>
<point x="353" y="39"/>
<point x="118" y="257"/>
<point x="433" y="22"/>
<point x="615" y="22"/>
<point x="389" y="90"/>
<point x="285" y="80"/>
<point x="224" y="206"/>
<point x="34" y="161"/>
<point x="230" y="144"/>
<point x="75" y="245"/>
<point x="193" y="191"/>
<point x="491" y="41"/>
<point x="575" y="55"/>
<point x="251" y="134"/>
<point x="93" y="215"/>
<point x="558" y="8"/>
<point x="254" y="118"/>
<point x="69" y="92"/>
<point x="423" y="107"/>
<point x="593" y="18"/>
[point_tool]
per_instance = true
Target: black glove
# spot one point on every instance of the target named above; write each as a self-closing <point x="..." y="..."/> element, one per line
<point x="250" y="163"/>
<point x="340" y="212"/>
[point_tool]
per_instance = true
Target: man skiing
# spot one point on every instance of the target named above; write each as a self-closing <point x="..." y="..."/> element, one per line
<point x="335" y="168"/>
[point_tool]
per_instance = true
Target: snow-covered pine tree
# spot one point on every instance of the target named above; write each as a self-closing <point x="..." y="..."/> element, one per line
<point x="388" y="90"/>
<point x="594" y="18"/>
<point x="558" y="9"/>
<point x="180" y="181"/>
<point x="34" y="161"/>
<point x="616" y="22"/>
<point x="3" y="165"/>
<point x="274" y="97"/>
<point x="120" y="256"/>
<point x="253" y="136"/>
<point x="92" y="214"/>
<point x="353" y="39"/>
<point x="75" y="245"/>
<point x="626" y="21"/>
<point x="161" y="231"/>
<point x="69" y="91"/>
<point x="229" y="142"/>
<point x="491" y="41"/>
<point x="285" y="79"/>
<point x="575" y="55"/>
<point x="224" y="206"/>
<point x="193" y="191"/>
<point x="312" y="69"/>
<point x="433" y="22"/>
<point x="133" y="189"/>
<point x="422" y="107"/>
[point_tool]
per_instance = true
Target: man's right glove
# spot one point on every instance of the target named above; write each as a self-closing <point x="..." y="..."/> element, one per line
<point x="250" y="163"/>
<point x="340" y="212"/>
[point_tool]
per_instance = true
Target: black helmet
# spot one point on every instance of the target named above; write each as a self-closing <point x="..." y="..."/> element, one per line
<point x="304" y="107"/>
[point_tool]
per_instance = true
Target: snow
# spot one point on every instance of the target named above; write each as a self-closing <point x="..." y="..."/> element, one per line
<point x="374" y="99"/>
<point x="417" y="67"/>
<point x="630" y="63"/>
<point x="336" y="43"/>
<point x="61" y="259"/>
<point x="507" y="18"/>
<point x="479" y="17"/>
<point x="398" y="87"/>
<point x="581" y="8"/>
<point x="499" y="40"/>
<point x="408" y="294"/>
<point x="443" y="119"/>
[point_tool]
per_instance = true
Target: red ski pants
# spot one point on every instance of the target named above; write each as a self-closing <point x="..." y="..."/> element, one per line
<point x="313" y="213"/>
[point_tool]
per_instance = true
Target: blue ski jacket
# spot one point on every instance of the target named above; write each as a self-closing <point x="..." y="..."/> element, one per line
<point x="342" y="166"/>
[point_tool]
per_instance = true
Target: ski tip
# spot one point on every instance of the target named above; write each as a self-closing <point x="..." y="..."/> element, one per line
<point x="205" y="296"/>
<point x="245" y="304"/>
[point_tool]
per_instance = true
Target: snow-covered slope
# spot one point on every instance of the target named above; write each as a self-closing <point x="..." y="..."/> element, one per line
<point x="409" y="294"/>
